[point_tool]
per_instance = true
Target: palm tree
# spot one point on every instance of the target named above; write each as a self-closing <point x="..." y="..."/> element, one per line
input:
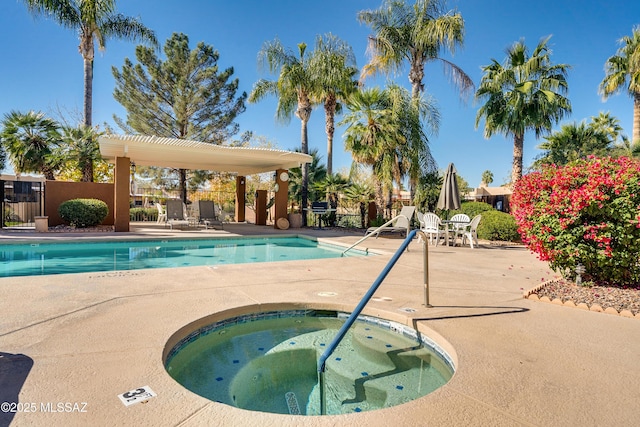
<point x="572" y="142"/>
<point x="373" y="135"/>
<point x="487" y="177"/>
<point x="317" y="173"/>
<point x="30" y="140"/>
<point x="294" y="88"/>
<point x="333" y="63"/>
<point x="416" y="33"/>
<point x="95" y="21"/>
<point x="331" y="186"/>
<point x="361" y="193"/>
<point x="524" y="93"/>
<point x="623" y="67"/>
<point x="82" y="146"/>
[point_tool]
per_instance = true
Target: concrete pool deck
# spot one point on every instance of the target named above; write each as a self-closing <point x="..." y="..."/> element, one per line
<point x="80" y="340"/>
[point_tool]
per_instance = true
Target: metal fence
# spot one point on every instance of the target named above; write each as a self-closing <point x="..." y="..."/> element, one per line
<point x="22" y="201"/>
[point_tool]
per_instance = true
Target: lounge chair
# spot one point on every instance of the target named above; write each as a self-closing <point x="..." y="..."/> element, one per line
<point x="207" y="214"/>
<point x="176" y="214"/>
<point x="401" y="223"/>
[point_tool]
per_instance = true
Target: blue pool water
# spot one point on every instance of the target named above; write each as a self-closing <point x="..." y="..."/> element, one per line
<point x="267" y="362"/>
<point x="82" y="257"/>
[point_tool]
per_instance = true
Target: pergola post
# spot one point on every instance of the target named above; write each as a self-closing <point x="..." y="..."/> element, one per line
<point x="282" y="196"/>
<point x="121" y="194"/>
<point x="240" y="198"/>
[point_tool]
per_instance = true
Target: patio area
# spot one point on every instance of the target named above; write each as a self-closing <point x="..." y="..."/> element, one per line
<point x="86" y="338"/>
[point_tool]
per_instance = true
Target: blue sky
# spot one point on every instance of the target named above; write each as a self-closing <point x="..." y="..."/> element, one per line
<point x="41" y="68"/>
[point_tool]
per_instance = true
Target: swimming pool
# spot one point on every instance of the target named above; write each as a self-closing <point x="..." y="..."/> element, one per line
<point x="267" y="362"/>
<point x="82" y="257"/>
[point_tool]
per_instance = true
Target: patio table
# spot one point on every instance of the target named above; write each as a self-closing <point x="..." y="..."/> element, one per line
<point x="446" y="223"/>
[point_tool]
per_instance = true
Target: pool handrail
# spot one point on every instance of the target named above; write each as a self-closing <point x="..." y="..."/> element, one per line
<point x="363" y="302"/>
<point x="375" y="232"/>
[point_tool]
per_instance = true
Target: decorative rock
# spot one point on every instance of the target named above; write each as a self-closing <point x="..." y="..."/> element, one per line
<point x="596" y="308"/>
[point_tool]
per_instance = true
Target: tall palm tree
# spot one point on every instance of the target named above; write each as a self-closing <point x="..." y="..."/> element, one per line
<point x="294" y="87"/>
<point x="417" y="34"/>
<point x="622" y="68"/>
<point x="96" y="21"/>
<point x="334" y="66"/>
<point x="82" y="146"/>
<point x="30" y="139"/>
<point x="524" y="93"/>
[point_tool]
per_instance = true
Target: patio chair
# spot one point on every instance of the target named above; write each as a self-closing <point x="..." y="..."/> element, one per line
<point x="162" y="214"/>
<point x="470" y="231"/>
<point x="176" y="214"/>
<point x="207" y="214"/>
<point x="401" y="223"/>
<point x="458" y="222"/>
<point x="431" y="224"/>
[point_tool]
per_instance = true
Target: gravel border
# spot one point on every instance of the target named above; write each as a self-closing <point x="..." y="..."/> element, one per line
<point x="623" y="300"/>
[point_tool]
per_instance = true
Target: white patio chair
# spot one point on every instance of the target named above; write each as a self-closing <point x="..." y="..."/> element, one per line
<point x="431" y="224"/>
<point x="470" y="231"/>
<point x="162" y="214"/>
<point x="458" y="223"/>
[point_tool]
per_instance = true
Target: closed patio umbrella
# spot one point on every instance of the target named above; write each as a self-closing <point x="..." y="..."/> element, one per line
<point x="449" y="195"/>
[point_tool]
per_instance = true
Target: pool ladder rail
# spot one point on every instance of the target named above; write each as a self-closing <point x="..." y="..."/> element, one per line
<point x="375" y="233"/>
<point x="365" y="299"/>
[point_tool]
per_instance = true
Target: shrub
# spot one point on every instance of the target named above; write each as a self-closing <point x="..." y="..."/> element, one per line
<point x="143" y="214"/>
<point x="474" y="208"/>
<point x="588" y="213"/>
<point x="496" y="225"/>
<point x="83" y="212"/>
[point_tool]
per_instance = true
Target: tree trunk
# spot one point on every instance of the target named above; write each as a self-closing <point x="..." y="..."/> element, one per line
<point x="416" y="74"/>
<point x="87" y="172"/>
<point x="636" y="119"/>
<point x="379" y="196"/>
<point x="86" y="50"/>
<point x="329" y="113"/>
<point x="304" y="113"/>
<point x="183" y="185"/>
<point x="518" y="148"/>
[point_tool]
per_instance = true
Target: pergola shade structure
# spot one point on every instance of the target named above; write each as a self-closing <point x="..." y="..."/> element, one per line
<point x="187" y="154"/>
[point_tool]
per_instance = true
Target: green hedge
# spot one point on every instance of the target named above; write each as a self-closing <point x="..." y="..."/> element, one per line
<point x="83" y="212"/>
<point x="143" y="214"/>
<point x="500" y="226"/>
<point x="474" y="208"/>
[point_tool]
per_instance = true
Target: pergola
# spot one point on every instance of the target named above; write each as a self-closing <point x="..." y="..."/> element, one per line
<point x="187" y="154"/>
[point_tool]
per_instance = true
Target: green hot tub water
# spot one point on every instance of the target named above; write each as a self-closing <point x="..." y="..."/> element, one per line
<point x="267" y="362"/>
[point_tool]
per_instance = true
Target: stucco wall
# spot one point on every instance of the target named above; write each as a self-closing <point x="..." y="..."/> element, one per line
<point x="56" y="192"/>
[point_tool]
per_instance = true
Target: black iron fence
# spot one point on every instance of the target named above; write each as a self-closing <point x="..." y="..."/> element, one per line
<point x="22" y="201"/>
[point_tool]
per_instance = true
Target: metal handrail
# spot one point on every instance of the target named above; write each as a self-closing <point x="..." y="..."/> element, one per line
<point x="376" y="231"/>
<point x="365" y="299"/>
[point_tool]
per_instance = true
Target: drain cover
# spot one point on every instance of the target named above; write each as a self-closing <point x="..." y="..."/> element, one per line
<point x="327" y="294"/>
<point x="408" y="310"/>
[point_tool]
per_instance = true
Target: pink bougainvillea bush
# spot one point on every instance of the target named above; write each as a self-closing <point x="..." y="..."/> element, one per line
<point x="588" y="213"/>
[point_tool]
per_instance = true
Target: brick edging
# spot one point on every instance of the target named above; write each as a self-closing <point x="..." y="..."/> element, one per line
<point x="532" y="295"/>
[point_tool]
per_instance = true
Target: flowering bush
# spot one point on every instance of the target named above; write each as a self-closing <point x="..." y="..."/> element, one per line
<point x="588" y="213"/>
